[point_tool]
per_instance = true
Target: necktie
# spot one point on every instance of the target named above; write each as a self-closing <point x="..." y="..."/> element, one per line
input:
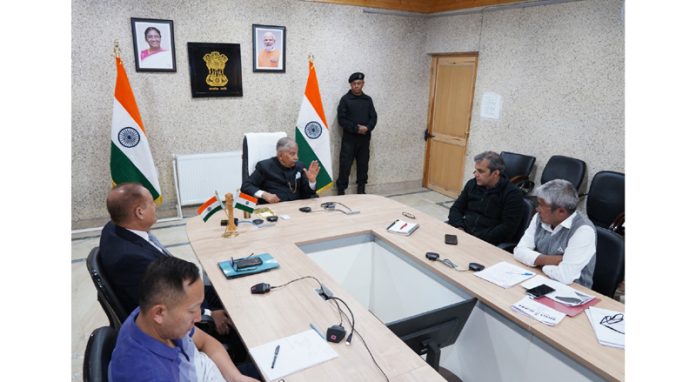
<point x="157" y="244"/>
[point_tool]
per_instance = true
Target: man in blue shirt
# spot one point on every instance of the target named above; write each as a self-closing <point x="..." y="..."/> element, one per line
<point x="159" y="341"/>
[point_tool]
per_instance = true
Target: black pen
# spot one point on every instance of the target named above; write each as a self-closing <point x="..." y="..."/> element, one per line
<point x="390" y="225"/>
<point x="275" y="356"/>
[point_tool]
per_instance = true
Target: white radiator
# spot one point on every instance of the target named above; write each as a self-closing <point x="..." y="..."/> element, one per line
<point x="198" y="176"/>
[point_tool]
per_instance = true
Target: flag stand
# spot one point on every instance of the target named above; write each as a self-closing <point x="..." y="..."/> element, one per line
<point x="231" y="229"/>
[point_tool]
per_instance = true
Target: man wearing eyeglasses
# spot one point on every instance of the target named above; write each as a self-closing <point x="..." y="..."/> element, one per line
<point x="283" y="177"/>
<point x="559" y="239"/>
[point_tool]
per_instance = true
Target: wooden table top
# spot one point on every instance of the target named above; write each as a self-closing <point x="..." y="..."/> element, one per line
<point x="290" y="310"/>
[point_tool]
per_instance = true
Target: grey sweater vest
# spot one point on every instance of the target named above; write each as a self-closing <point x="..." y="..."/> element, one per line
<point x="549" y="244"/>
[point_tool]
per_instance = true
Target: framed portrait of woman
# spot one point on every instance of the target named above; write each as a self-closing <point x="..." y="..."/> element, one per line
<point x="153" y="45"/>
<point x="268" y="48"/>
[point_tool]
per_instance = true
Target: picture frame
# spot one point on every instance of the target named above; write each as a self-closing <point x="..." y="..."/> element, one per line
<point x="215" y="69"/>
<point x="153" y="54"/>
<point x="268" y="55"/>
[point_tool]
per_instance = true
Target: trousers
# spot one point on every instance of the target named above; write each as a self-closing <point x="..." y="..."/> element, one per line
<point x="353" y="148"/>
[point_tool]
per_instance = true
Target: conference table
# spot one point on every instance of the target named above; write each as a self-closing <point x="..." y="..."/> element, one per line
<point x="497" y="343"/>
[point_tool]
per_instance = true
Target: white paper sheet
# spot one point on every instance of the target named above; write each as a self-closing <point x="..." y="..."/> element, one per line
<point x="504" y="274"/>
<point x="297" y="352"/>
<point x="606" y="336"/>
<point x="537" y="311"/>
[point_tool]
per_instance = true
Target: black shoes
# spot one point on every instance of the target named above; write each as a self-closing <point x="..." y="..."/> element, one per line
<point x="341" y="191"/>
<point x="361" y="188"/>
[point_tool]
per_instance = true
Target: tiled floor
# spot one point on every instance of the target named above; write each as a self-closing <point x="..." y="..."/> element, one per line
<point x="88" y="315"/>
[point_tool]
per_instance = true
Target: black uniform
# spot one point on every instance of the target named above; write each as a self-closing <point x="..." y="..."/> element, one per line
<point x="493" y="215"/>
<point x="287" y="183"/>
<point x="354" y="110"/>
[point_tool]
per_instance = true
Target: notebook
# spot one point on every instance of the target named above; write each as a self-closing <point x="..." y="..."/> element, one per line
<point x="402" y="227"/>
<point x="268" y="263"/>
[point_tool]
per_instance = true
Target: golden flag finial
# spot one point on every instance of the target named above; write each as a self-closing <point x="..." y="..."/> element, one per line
<point x="117" y="49"/>
<point x="311" y="58"/>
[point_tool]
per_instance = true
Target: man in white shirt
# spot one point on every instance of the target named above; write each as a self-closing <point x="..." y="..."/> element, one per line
<point x="559" y="239"/>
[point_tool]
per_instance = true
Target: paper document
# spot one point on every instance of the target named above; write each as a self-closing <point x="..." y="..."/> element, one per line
<point x="402" y="227"/>
<point x="504" y="274"/>
<point x="296" y="352"/>
<point x="563" y="294"/>
<point x="608" y="325"/>
<point x="537" y="311"/>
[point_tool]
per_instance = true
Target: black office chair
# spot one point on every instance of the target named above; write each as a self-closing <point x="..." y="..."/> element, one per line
<point x="101" y="343"/>
<point x="105" y="293"/>
<point x="610" y="263"/>
<point x="605" y="200"/>
<point x="561" y="167"/>
<point x="526" y="218"/>
<point x="518" y="167"/>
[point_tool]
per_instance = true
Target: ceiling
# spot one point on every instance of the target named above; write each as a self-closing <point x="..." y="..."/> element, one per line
<point x="422" y="6"/>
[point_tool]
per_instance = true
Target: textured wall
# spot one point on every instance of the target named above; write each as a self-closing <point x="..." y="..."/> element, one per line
<point x="343" y="39"/>
<point x="560" y="71"/>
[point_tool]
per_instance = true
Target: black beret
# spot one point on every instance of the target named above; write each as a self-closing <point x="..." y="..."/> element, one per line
<point x="356" y="76"/>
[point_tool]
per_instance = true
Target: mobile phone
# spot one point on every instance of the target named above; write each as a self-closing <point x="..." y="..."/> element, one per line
<point x="247" y="262"/>
<point x="451" y="239"/>
<point x="540" y="290"/>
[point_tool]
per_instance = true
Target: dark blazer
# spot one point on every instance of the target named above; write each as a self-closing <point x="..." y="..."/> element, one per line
<point x="270" y="175"/>
<point x="124" y="256"/>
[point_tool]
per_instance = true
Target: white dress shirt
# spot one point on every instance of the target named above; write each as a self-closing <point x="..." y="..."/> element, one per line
<point x="145" y="236"/>
<point x="581" y="247"/>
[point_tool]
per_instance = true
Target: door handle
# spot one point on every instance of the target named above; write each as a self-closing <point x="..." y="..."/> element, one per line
<point x="427" y="135"/>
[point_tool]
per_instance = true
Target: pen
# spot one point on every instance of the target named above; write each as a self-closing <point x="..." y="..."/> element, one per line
<point x="311" y="325"/>
<point x="523" y="274"/>
<point x="392" y="224"/>
<point x="275" y="356"/>
<point x="403" y="226"/>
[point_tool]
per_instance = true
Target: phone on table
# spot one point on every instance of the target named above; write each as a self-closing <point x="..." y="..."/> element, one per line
<point x="451" y="239"/>
<point x="247" y="262"/>
<point x="540" y="290"/>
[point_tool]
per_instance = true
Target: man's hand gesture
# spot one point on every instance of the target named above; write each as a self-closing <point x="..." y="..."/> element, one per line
<point x="312" y="172"/>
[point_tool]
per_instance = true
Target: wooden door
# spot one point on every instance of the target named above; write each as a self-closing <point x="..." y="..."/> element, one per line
<point x="452" y="79"/>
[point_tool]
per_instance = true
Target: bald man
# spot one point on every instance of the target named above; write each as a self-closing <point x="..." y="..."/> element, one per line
<point x="126" y="248"/>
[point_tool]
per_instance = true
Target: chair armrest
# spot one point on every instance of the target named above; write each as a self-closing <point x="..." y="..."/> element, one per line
<point x="518" y="178"/>
<point x="509" y="247"/>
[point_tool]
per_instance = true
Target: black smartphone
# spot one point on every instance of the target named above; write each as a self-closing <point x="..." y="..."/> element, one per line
<point x="451" y="239"/>
<point x="247" y="263"/>
<point x="540" y="290"/>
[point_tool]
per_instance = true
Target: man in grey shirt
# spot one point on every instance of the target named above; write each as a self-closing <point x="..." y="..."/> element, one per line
<point x="559" y="239"/>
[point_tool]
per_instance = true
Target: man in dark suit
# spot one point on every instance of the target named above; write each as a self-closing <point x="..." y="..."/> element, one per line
<point x="283" y="177"/>
<point x="126" y="248"/>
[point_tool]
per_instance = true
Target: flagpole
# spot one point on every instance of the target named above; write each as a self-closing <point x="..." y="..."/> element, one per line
<point x="117" y="49"/>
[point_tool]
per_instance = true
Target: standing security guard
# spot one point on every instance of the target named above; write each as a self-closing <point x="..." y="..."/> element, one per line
<point x="357" y="116"/>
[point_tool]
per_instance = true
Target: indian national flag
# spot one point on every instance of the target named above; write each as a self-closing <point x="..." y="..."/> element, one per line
<point x="245" y="202"/>
<point x="131" y="159"/>
<point x="312" y="133"/>
<point x="209" y="208"/>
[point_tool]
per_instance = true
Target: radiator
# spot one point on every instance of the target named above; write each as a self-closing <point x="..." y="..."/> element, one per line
<point x="198" y="176"/>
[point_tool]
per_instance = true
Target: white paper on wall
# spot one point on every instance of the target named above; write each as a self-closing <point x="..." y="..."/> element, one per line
<point x="490" y="105"/>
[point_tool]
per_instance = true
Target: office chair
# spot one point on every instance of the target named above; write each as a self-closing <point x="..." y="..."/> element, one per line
<point x="609" y="267"/>
<point x="517" y="169"/>
<point x="257" y="147"/>
<point x="560" y="167"/>
<point x="105" y="293"/>
<point x="526" y="218"/>
<point x="101" y="343"/>
<point x="605" y="200"/>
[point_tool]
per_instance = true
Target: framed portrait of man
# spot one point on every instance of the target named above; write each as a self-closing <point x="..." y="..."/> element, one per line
<point x="153" y="45"/>
<point x="268" y="48"/>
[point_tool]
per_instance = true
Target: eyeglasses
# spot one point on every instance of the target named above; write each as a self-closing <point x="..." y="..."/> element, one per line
<point x="612" y="320"/>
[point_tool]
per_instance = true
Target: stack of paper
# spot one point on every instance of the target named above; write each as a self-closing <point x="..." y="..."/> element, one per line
<point x="402" y="227"/>
<point x="537" y="311"/>
<point x="563" y="294"/>
<point x="295" y="353"/>
<point x="612" y="332"/>
<point x="504" y="274"/>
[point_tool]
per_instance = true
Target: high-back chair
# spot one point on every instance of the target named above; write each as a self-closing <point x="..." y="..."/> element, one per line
<point x="101" y="343"/>
<point x="610" y="264"/>
<point x="562" y="167"/>
<point x="517" y="169"/>
<point x="526" y="218"/>
<point x="105" y="293"/>
<point x="257" y="147"/>
<point x="606" y="200"/>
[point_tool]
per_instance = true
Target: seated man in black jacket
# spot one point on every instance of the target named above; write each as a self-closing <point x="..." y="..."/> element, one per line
<point x="283" y="177"/>
<point x="489" y="207"/>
